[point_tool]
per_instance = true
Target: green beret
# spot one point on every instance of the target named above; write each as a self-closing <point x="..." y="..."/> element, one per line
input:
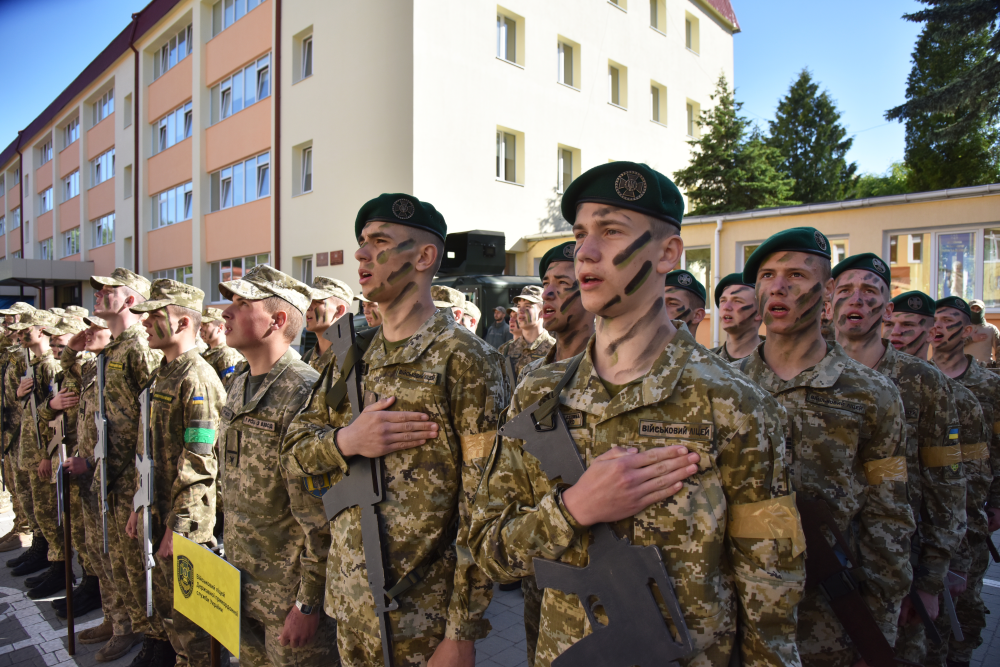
<point x="729" y="281"/>
<point x="866" y="261"/>
<point x="797" y="239"/>
<point x="686" y="280"/>
<point x="401" y="209"/>
<point x="956" y="302"/>
<point x="626" y="185"/>
<point x="560" y="253"/>
<point x="914" y="301"/>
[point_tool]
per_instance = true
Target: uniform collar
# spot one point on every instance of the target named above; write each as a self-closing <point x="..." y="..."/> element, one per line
<point x="180" y="364"/>
<point x="544" y="337"/>
<point x="887" y="364"/>
<point x="440" y="323"/>
<point x="279" y="367"/>
<point x="821" y="376"/>
<point x="133" y="332"/>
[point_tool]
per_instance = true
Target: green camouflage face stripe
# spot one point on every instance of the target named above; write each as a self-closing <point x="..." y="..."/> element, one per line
<point x="205" y="435"/>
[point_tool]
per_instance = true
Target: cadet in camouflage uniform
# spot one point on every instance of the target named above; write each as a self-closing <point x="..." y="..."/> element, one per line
<point x="129" y="364"/>
<point x="685" y="298"/>
<point x="648" y="408"/>
<point x="372" y="314"/>
<point x="275" y="530"/>
<point x="449" y="299"/>
<point x="433" y="393"/>
<point x="17" y="483"/>
<point x="736" y="305"/>
<point x="331" y="300"/>
<point x="952" y="326"/>
<point x="935" y="476"/>
<point x="219" y="356"/>
<point x="534" y="341"/>
<point x="187" y="397"/>
<point x="846" y="426"/>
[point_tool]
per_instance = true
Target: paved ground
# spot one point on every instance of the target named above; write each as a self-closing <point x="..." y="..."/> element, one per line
<point x="31" y="635"/>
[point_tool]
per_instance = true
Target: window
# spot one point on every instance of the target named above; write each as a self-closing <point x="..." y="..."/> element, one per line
<point x="16" y="254"/>
<point x="307" y="169"/>
<point x="45" y="249"/>
<point x="690" y="120"/>
<point x="956" y="265"/>
<point x="243" y="88"/>
<point x="127" y="115"/>
<point x="177" y="49"/>
<point x="104" y="230"/>
<point x="838" y="251"/>
<point x="17" y="175"/>
<point x="72" y="131"/>
<point x="71" y="242"/>
<point x="506" y="157"/>
<point x="102" y="167"/>
<point x="620" y="4"/>
<point x="233" y="269"/>
<point x="182" y="274"/>
<point x="307" y="57"/>
<point x="565" y="169"/>
<point x="691" y="33"/>
<point x="71" y="185"/>
<point x="565" y="64"/>
<point x="173" y="205"/>
<point x="241" y="183"/>
<point x="617" y="85"/>
<point x="15" y="218"/>
<point x="657" y="103"/>
<point x="45" y="152"/>
<point x="172" y="128"/>
<point x="227" y="12"/>
<point x="3" y="225"/>
<point x="127" y="182"/>
<point x="307" y="270"/>
<point x="104" y="107"/>
<point x="699" y="262"/>
<point x="2" y="187"/>
<point x="658" y="15"/>
<point x="916" y="248"/>
<point x="45" y="201"/>
<point x="506" y="38"/>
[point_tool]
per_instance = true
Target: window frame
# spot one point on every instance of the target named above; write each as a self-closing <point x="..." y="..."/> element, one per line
<point x="71" y="239"/>
<point x="218" y="273"/>
<point x="104" y="107"/>
<point x="107" y="158"/>
<point x="45" y="201"/>
<point x="307" y="58"/>
<point x="226" y="181"/>
<point x="175" y="202"/>
<point x="71" y="186"/>
<point x="307" y="170"/>
<point x="103" y="226"/>
<point x="502" y="159"/>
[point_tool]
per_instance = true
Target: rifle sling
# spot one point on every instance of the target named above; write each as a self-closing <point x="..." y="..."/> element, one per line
<point x="355" y="354"/>
<point x="415" y="576"/>
<point x="543" y="415"/>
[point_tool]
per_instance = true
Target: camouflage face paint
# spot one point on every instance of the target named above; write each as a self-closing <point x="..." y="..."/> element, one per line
<point x="406" y="245"/>
<point x="407" y="290"/>
<point x="107" y="302"/>
<point x="636" y="328"/>
<point x="170" y="328"/>
<point x="613" y="302"/>
<point x="400" y="273"/>
<point x="640" y="277"/>
<point x="159" y="331"/>
<point x="622" y="259"/>
<point x="914" y="346"/>
<point x="813" y="310"/>
<point x="575" y="296"/>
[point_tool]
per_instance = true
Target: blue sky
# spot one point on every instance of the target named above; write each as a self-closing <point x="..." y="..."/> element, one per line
<point x="859" y="50"/>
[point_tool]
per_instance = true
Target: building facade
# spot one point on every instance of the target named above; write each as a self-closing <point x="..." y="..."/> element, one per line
<point x="210" y="137"/>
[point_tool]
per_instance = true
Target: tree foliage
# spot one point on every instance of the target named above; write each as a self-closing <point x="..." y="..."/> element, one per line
<point x="895" y="181"/>
<point x="812" y="142"/>
<point x="732" y="168"/>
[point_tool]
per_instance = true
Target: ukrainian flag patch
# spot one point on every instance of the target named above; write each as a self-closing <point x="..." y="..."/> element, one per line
<point x="198" y="400"/>
<point x="953" y="433"/>
<point x="317" y="485"/>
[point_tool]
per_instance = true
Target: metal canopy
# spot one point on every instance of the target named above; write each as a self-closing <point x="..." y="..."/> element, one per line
<point x="43" y="273"/>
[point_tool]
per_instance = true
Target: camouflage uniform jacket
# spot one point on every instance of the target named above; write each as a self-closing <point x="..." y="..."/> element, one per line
<point x="935" y="477"/>
<point x="521" y="352"/>
<point x="81" y="369"/>
<point x="974" y="437"/>
<point x="456" y="378"/>
<point x="275" y="531"/>
<point x="68" y="379"/>
<point x="46" y="367"/>
<point x="128" y="367"/>
<point x="720" y="569"/>
<point x="224" y="360"/>
<point x="549" y="358"/>
<point x="845" y="424"/>
<point x="723" y="352"/>
<point x="317" y="360"/>
<point x="12" y="363"/>
<point x="187" y="397"/>
<point x="985" y="386"/>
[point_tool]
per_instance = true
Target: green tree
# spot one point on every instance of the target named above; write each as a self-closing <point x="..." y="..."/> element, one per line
<point x="732" y="168"/>
<point x="812" y="142"/>
<point x="895" y="181"/>
<point x="976" y="88"/>
<point x="936" y="159"/>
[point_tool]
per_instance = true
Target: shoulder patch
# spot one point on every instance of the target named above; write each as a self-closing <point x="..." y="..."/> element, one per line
<point x="317" y="485"/>
<point x="575" y="419"/>
<point x="198" y="400"/>
<point x="834" y="402"/>
<point x="658" y="429"/>
<point x="227" y="414"/>
<point x="912" y="414"/>
<point x="261" y="424"/>
<point x="227" y="371"/>
<point x="163" y="398"/>
<point x="417" y="376"/>
<point x="116" y="366"/>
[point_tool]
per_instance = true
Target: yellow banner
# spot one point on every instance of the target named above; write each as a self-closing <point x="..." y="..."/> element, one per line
<point x="207" y="591"/>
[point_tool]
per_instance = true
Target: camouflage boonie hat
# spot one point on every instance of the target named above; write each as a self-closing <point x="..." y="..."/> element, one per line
<point x="77" y="311"/>
<point x="167" y="292"/>
<point x="94" y="321"/>
<point x="446" y="297"/>
<point x="61" y="312"/>
<point x="530" y="293"/>
<point x="472" y="310"/>
<point x="211" y="315"/>
<point x="123" y="278"/>
<point x="323" y="288"/>
<point x="66" y="325"/>
<point x="18" y="308"/>
<point x="263" y="281"/>
<point x="36" y="318"/>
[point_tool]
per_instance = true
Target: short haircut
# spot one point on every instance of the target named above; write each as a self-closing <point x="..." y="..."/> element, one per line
<point x="181" y="311"/>
<point x="424" y="237"/>
<point x="293" y="324"/>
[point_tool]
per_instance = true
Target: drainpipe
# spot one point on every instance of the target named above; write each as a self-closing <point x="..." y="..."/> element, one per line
<point x="715" y="272"/>
<point x="135" y="149"/>
<point x="276" y="157"/>
<point x="20" y="189"/>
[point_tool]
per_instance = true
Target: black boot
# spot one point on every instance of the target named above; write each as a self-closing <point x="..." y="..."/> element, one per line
<point x="86" y="598"/>
<point x="144" y="658"/>
<point x="39" y="560"/>
<point x="164" y="655"/>
<point x="55" y="581"/>
<point x="37" y="542"/>
<point x="84" y="586"/>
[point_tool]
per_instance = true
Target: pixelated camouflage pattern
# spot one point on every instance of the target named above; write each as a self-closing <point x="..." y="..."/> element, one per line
<point x="187" y="399"/>
<point x="260" y="645"/>
<point x="937" y="494"/>
<point x="43" y="500"/>
<point x="986" y="388"/>
<point x="319" y="361"/>
<point x="46" y="368"/>
<point x="12" y="369"/>
<point x="521" y="352"/>
<point x="718" y="578"/>
<point x="222" y="359"/>
<point x="549" y="358"/>
<point x="447" y="372"/>
<point x="125" y="554"/>
<point x="78" y="532"/>
<point x="841" y="416"/>
<point x="276" y="532"/>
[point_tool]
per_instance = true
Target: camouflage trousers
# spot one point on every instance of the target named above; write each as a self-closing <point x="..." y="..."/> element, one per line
<point x="78" y="531"/>
<point x="43" y="500"/>
<point x="971" y="613"/>
<point x="259" y="645"/>
<point x="192" y="644"/>
<point x="112" y="602"/>
<point x="821" y="638"/>
<point x="126" y="566"/>
<point x="360" y="649"/>
<point x="19" y="487"/>
<point x="532" y="615"/>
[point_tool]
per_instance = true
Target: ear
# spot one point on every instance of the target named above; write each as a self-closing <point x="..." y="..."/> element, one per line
<point x="698" y="316"/>
<point x="340" y="312"/>
<point x="828" y="288"/>
<point x="671" y="249"/>
<point x="278" y="319"/>
<point x="427" y="258"/>
<point x="887" y="313"/>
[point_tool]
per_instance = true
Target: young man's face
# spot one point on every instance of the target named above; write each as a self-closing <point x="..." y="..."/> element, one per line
<point x="683" y="305"/>
<point x="387" y="259"/>
<point x="33" y="335"/>
<point x="7" y="321"/>
<point x="97" y="339"/>
<point x="528" y="313"/>
<point x="247" y="323"/>
<point x="908" y="332"/>
<point x="372" y="314"/>
<point x="320" y="315"/>
<point x="512" y="325"/>
<point x="161" y="327"/>
<point x="861" y="303"/>
<point x="621" y="260"/>
<point x="791" y="287"/>
<point x="109" y="301"/>
<point x="562" y="309"/>
<point x="738" y="309"/>
<point x="58" y="343"/>
<point x="951" y="328"/>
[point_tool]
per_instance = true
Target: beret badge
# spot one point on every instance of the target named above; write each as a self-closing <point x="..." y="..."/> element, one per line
<point x="403" y="209"/>
<point x="630" y="185"/>
<point x="820" y="240"/>
<point x="568" y="251"/>
<point x="878" y="265"/>
<point x="915" y="302"/>
<point x="684" y="279"/>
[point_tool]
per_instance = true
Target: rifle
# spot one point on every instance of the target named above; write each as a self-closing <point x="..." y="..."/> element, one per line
<point x="362" y="485"/>
<point x="993" y="548"/>
<point x="618" y="575"/>
<point x="143" y="497"/>
<point x="64" y="516"/>
<point x="30" y="373"/>
<point x="101" y="446"/>
<point x="949" y="606"/>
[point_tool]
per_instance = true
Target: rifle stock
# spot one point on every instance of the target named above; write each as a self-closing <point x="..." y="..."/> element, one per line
<point x="143" y="498"/>
<point x="101" y="446"/>
<point x="32" y="403"/>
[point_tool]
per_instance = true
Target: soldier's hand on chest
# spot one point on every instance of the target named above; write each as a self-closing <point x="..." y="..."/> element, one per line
<point x="378" y="431"/>
<point x="25" y="387"/>
<point x="64" y="400"/>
